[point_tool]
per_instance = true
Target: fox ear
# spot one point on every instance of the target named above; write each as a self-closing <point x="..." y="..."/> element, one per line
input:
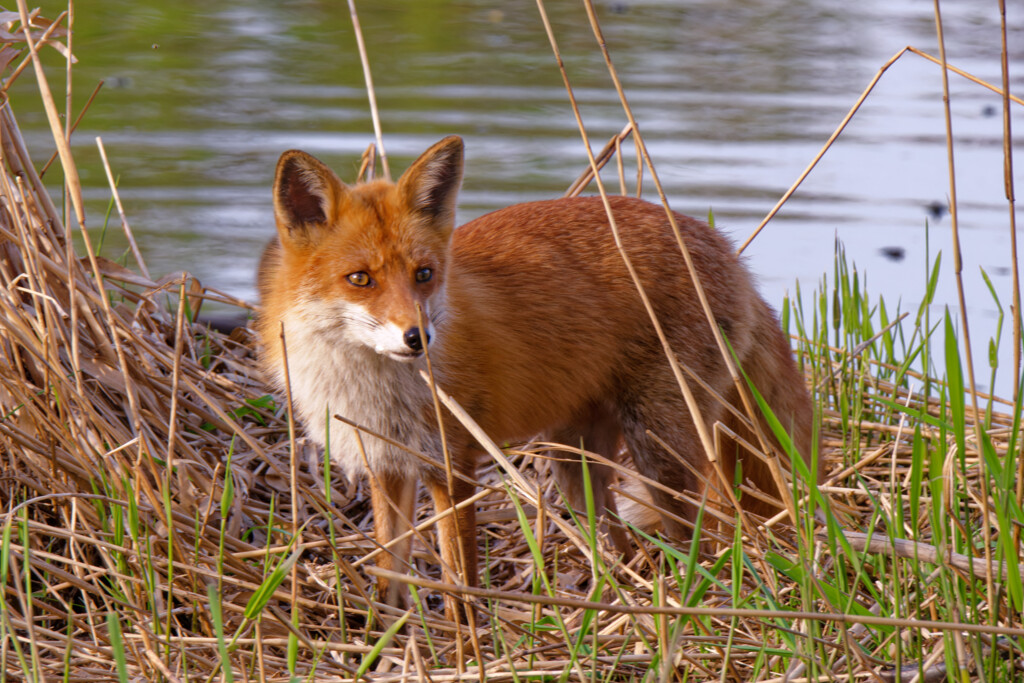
<point x="305" y="191"/>
<point x="431" y="184"/>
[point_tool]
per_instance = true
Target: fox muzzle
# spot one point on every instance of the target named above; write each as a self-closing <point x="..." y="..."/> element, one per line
<point x="415" y="339"/>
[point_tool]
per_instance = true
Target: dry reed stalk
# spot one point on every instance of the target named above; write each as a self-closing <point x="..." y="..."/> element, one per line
<point x="701" y="426"/>
<point x="743" y="391"/>
<point x="849" y="117"/>
<point x="986" y="529"/>
<point x="370" y="91"/>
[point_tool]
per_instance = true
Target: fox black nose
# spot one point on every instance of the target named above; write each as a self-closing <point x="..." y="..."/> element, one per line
<point x="413" y="339"/>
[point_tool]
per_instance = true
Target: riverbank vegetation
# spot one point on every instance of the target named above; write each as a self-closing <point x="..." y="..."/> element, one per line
<point x="163" y="519"/>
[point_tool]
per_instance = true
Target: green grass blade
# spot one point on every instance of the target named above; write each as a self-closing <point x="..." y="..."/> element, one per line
<point x="117" y="645"/>
<point x="266" y="590"/>
<point x="381" y="643"/>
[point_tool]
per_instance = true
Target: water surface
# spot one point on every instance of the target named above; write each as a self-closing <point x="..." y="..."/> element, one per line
<point x="734" y="99"/>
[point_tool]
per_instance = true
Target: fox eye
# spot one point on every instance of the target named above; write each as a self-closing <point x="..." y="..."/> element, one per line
<point x="359" y="279"/>
<point x="424" y="274"/>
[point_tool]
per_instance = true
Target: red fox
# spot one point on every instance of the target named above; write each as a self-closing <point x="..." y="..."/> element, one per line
<point x="532" y="324"/>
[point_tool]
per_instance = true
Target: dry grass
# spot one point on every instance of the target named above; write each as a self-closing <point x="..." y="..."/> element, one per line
<point x="162" y="522"/>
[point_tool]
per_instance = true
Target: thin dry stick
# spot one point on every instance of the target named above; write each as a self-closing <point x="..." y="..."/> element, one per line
<point x="367" y="165"/>
<point x="849" y="116"/>
<point x="67" y="73"/>
<point x="293" y="466"/>
<point x="370" y="92"/>
<point x="621" y="167"/>
<point x="120" y="210"/>
<point x="172" y="431"/>
<point x="445" y="452"/>
<point x="698" y="287"/>
<point x="958" y="272"/>
<point x="1011" y="201"/>
<point x="828" y="144"/>
<point x="691" y="403"/>
<point x="639" y="170"/>
<point x="714" y="612"/>
<point x="923" y="552"/>
<point x="603" y="158"/>
<point x="74" y="126"/>
<point x="450" y="482"/>
<point x="965" y="74"/>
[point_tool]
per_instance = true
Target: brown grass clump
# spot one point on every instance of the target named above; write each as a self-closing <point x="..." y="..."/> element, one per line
<point x="162" y="521"/>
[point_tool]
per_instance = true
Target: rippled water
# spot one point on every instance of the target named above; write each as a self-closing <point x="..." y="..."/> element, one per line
<point x="734" y="99"/>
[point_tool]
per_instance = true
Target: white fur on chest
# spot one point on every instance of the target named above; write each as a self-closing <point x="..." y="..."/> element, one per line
<point x="330" y="375"/>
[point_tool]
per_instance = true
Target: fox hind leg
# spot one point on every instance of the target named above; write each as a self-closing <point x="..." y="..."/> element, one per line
<point x="683" y="469"/>
<point x="599" y="431"/>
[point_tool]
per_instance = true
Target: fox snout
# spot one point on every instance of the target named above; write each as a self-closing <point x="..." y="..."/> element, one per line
<point x="398" y="343"/>
<point x="415" y="339"/>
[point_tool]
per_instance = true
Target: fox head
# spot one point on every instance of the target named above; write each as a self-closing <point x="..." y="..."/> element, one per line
<point x="368" y="261"/>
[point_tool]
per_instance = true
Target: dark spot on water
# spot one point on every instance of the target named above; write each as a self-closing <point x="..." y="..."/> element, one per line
<point x="1002" y="271"/>
<point x="893" y="253"/>
<point x="989" y="110"/>
<point x="619" y="8"/>
<point x="118" y="82"/>
<point x="936" y="210"/>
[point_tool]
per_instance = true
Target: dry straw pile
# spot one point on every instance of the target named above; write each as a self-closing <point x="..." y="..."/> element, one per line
<point x="158" y="525"/>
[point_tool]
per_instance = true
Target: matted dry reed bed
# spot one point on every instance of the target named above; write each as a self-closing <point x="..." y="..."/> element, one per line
<point x="162" y="521"/>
